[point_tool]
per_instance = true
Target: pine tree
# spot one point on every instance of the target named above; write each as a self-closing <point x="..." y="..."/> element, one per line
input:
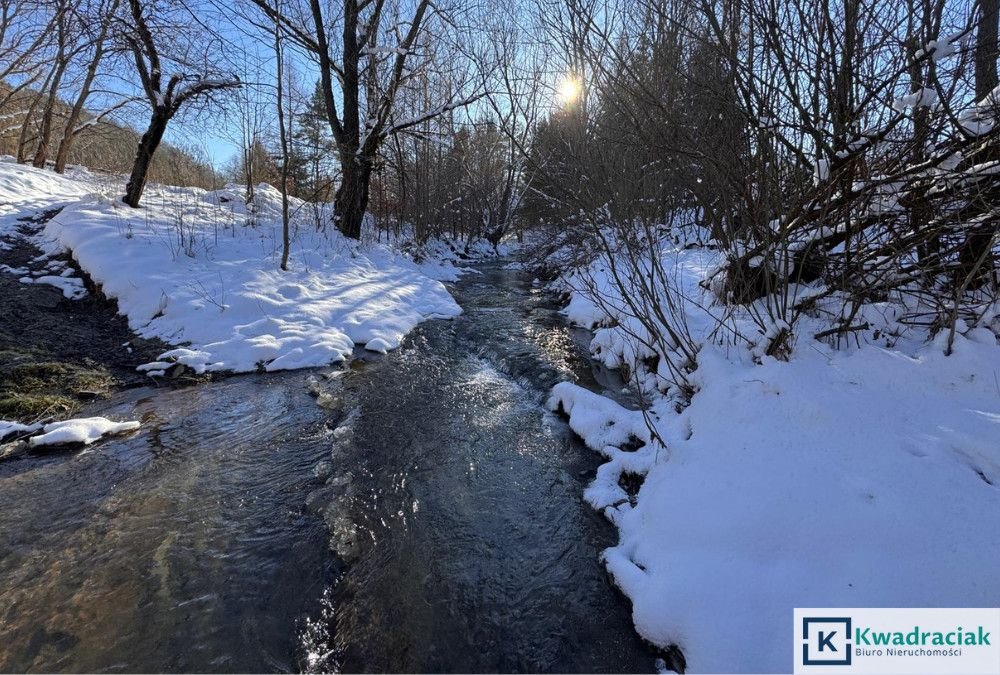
<point x="312" y="152"/>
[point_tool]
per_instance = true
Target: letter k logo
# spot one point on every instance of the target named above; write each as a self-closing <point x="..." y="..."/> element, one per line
<point x="825" y="640"/>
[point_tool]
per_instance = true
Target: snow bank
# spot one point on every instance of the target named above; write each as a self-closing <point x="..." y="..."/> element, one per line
<point x="445" y="258"/>
<point x="621" y="339"/>
<point x="861" y="477"/>
<point x="84" y="430"/>
<point x="24" y="187"/>
<point x="607" y="428"/>
<point x="190" y="268"/>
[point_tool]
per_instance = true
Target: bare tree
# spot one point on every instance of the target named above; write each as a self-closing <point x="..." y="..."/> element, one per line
<point x="67" y="49"/>
<point x="516" y="98"/>
<point x="369" y="76"/>
<point x="249" y="111"/>
<point x="283" y="138"/>
<point x="25" y="29"/>
<point x="28" y="122"/>
<point x="99" y="25"/>
<point x="166" y="95"/>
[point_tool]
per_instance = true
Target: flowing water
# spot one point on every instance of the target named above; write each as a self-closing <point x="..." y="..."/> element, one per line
<point x="415" y="512"/>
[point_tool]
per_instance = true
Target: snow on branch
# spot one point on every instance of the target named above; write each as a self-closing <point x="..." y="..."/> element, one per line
<point x="431" y="114"/>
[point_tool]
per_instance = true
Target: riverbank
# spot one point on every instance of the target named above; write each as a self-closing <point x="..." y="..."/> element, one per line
<point x="56" y="352"/>
<point x="775" y="469"/>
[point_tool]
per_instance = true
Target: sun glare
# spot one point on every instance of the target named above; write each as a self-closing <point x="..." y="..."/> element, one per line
<point x="569" y="90"/>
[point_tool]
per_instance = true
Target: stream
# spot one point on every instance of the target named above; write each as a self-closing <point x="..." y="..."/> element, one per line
<point x="419" y="511"/>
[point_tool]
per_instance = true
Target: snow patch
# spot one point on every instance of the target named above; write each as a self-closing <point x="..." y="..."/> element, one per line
<point x="84" y="430"/>
<point x="10" y="428"/>
<point x="71" y="287"/>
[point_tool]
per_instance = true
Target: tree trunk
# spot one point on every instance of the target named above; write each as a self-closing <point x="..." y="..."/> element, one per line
<point x="66" y="144"/>
<point x="975" y="264"/>
<point x="69" y="131"/>
<point x="61" y="62"/>
<point x="144" y="156"/>
<point x="986" y="48"/>
<point x="279" y="59"/>
<point x="22" y="141"/>
<point x="351" y="200"/>
<point x="917" y="204"/>
<point x="45" y="132"/>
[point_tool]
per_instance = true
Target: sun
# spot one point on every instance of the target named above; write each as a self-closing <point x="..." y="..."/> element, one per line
<point x="569" y="90"/>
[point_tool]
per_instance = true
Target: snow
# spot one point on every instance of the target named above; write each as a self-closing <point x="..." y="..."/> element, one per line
<point x="197" y="84"/>
<point x="84" y="430"/>
<point x="980" y="118"/>
<point x="10" y="428"/>
<point x="606" y="427"/>
<point x="866" y="476"/>
<point x="446" y="259"/>
<point x="822" y="170"/>
<point x="25" y="192"/>
<point x="923" y="97"/>
<point x="944" y="48"/>
<point x="23" y="187"/>
<point x="72" y="287"/>
<point x="200" y="270"/>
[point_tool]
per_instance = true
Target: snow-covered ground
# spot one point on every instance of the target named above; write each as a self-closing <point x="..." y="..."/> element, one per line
<point x="865" y="476"/>
<point x="26" y="193"/>
<point x="200" y="270"/>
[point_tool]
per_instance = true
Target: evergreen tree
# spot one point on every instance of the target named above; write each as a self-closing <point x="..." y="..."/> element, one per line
<point x="312" y="151"/>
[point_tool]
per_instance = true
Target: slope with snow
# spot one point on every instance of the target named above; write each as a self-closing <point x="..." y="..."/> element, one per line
<point x="200" y="270"/>
<point x="24" y="189"/>
<point x="867" y="476"/>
